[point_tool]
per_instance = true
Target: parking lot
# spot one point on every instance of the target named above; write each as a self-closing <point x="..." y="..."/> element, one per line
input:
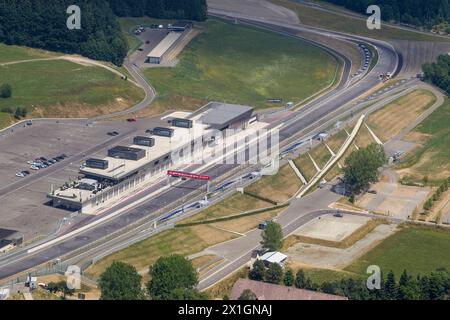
<point x="24" y="203"/>
<point x="150" y="39"/>
<point x="23" y="199"/>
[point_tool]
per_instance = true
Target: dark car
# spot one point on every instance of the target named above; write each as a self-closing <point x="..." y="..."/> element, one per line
<point x="43" y="159"/>
<point x="56" y="159"/>
<point x="131" y="120"/>
<point x="25" y="172"/>
<point x="63" y="155"/>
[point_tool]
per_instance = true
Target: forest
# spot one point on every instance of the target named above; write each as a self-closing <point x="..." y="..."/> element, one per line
<point x="165" y="9"/>
<point x="42" y="24"/>
<point x="414" y="12"/>
<point x="438" y="73"/>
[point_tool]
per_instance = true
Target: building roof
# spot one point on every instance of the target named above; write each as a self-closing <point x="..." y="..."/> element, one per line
<point x="164" y="45"/>
<point x="268" y="291"/>
<point x="273" y="257"/>
<point x="220" y="113"/>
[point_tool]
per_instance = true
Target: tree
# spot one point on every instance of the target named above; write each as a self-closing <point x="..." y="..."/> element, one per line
<point x="5" y="91"/>
<point x="247" y="294"/>
<point x="390" y="287"/>
<point x="289" y="277"/>
<point x="120" y="281"/>
<point x="187" y="294"/>
<point x="258" y="271"/>
<point x="170" y="273"/>
<point x="408" y="289"/>
<point x="361" y="167"/>
<point x="300" y="279"/>
<point x="272" y="237"/>
<point x="62" y="287"/>
<point x="274" y="273"/>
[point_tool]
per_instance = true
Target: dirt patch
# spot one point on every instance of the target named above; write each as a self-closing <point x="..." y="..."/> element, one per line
<point x="75" y="110"/>
<point x="347" y="232"/>
<point x="337" y="258"/>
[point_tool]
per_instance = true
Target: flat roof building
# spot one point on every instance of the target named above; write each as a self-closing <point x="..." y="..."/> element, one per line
<point x="222" y="116"/>
<point x="156" y="56"/>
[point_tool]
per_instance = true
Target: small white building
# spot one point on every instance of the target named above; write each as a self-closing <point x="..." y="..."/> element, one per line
<point x="273" y="257"/>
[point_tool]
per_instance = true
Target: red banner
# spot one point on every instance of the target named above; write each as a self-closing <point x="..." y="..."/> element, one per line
<point x="188" y="175"/>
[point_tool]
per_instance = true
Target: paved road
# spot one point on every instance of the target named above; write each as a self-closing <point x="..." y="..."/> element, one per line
<point x="303" y="119"/>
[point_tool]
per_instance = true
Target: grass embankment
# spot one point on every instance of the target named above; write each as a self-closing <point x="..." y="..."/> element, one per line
<point x="386" y="122"/>
<point x="344" y="23"/>
<point x="279" y="187"/>
<point x="431" y="160"/>
<point x="239" y="64"/>
<point x="57" y="88"/>
<point x="418" y="250"/>
<point x="189" y="240"/>
<point x="390" y="120"/>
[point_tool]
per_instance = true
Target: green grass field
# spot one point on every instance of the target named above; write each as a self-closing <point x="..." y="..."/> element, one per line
<point x="243" y="65"/>
<point x="62" y="88"/>
<point x="432" y="159"/>
<point x="418" y="250"/>
<point x="16" y="53"/>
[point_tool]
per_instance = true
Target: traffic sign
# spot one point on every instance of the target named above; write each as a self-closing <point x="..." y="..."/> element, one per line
<point x="188" y="175"/>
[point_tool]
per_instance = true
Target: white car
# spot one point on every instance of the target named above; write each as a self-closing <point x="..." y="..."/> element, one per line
<point x="20" y="175"/>
<point x="34" y="167"/>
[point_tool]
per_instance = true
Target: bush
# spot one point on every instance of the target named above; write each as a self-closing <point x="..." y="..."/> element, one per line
<point x="5" y="91"/>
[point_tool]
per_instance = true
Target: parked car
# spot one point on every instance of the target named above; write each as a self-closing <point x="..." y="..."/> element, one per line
<point x="338" y="214"/>
<point x="33" y="167"/>
<point x="20" y="175"/>
<point x="26" y="172"/>
<point x="131" y="120"/>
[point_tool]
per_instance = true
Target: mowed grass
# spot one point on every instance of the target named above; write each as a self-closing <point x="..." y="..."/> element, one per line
<point x="432" y="158"/>
<point x="65" y="89"/>
<point x="16" y="53"/>
<point x="279" y="187"/>
<point x="418" y="250"/>
<point x="236" y="204"/>
<point x="182" y="240"/>
<point x="243" y="65"/>
<point x="338" y="22"/>
<point x="390" y="120"/>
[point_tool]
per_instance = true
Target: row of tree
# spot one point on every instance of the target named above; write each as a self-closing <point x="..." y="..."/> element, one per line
<point x="435" y="286"/>
<point x="163" y="9"/>
<point x="436" y="195"/>
<point x="172" y="278"/>
<point x="414" y="12"/>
